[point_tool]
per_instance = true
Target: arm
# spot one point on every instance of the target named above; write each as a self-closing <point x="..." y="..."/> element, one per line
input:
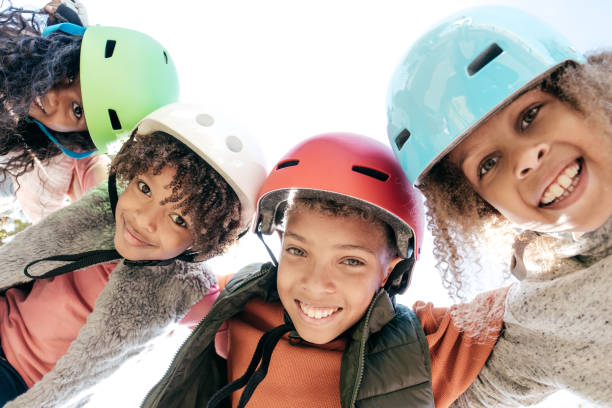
<point x="89" y="172"/>
<point x="134" y="307"/>
<point x="557" y="336"/>
<point x="460" y="340"/>
<point x="82" y="226"/>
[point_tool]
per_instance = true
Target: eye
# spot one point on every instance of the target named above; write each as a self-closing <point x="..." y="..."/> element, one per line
<point x="352" y="262"/>
<point x="486" y="165"/>
<point x="178" y="220"/>
<point x="77" y="110"/>
<point x="144" y="188"/>
<point x="528" y="116"/>
<point x="295" y="251"/>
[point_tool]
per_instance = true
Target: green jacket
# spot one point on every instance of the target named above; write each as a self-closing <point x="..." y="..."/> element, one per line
<point x="386" y="362"/>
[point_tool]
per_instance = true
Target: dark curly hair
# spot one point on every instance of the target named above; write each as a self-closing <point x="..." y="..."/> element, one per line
<point x="198" y="191"/>
<point x="461" y="222"/>
<point x="30" y="66"/>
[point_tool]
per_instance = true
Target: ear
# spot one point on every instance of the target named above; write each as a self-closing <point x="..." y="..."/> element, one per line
<point x="389" y="269"/>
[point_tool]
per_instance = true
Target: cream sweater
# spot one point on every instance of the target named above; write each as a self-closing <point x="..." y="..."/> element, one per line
<point x="558" y="329"/>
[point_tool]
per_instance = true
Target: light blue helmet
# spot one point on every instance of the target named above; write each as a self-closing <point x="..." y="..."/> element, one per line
<point x="460" y="73"/>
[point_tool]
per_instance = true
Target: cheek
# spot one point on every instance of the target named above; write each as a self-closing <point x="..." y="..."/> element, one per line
<point x="283" y="283"/>
<point x="178" y="241"/>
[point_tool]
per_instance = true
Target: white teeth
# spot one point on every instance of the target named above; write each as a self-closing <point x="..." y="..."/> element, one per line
<point x="564" y="181"/>
<point x="562" y="186"/>
<point x="317" y="312"/>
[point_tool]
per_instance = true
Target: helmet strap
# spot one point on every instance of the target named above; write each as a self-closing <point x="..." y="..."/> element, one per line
<point x="66" y="151"/>
<point x="259" y="234"/>
<point x="252" y="377"/>
<point x="66" y="28"/>
<point x="400" y="277"/>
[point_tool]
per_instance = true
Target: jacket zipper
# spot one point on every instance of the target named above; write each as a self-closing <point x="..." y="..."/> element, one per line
<point x="362" y="345"/>
<point x="172" y="363"/>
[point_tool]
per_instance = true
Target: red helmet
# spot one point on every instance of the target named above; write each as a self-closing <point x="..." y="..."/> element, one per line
<point x="352" y="169"/>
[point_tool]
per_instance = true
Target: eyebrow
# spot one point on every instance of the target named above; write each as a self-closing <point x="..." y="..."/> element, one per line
<point x="360" y="247"/>
<point x="340" y="246"/>
<point x="295" y="236"/>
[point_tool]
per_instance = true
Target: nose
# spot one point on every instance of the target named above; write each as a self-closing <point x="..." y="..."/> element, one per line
<point x="148" y="218"/>
<point x="52" y="99"/>
<point x="319" y="280"/>
<point x="529" y="159"/>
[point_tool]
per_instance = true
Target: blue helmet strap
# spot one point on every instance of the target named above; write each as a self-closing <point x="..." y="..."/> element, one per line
<point x="66" y="151"/>
<point x="67" y="28"/>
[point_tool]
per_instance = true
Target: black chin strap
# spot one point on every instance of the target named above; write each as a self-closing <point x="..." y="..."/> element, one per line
<point x="259" y="234"/>
<point x="113" y="197"/>
<point x="251" y="378"/>
<point x="84" y="259"/>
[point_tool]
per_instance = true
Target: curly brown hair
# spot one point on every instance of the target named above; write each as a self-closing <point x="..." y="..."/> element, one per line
<point x="30" y="66"/>
<point x="198" y="191"/>
<point x="461" y="222"/>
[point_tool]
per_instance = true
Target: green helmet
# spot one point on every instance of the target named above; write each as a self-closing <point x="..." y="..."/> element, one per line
<point x="125" y="75"/>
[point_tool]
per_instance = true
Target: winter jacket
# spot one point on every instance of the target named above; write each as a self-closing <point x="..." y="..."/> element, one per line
<point x="385" y="363"/>
<point x="137" y="303"/>
<point x="558" y="327"/>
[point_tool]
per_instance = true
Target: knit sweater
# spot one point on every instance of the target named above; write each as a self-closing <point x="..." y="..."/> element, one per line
<point x="136" y="305"/>
<point x="558" y="328"/>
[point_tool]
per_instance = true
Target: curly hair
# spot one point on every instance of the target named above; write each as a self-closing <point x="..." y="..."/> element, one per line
<point x="198" y="191"/>
<point x="31" y="66"/>
<point x="461" y="222"/>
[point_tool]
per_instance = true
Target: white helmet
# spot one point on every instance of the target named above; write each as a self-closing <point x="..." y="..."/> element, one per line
<point x="221" y="142"/>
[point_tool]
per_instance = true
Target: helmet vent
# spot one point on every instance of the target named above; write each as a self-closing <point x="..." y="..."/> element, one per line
<point x="484" y="58"/>
<point x="166" y="57"/>
<point x="110" y="48"/>
<point x="378" y="175"/>
<point x="402" y="138"/>
<point x="114" y="119"/>
<point x="288" y="163"/>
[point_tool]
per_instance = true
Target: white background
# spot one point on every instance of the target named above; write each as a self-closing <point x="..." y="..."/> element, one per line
<point x="288" y="70"/>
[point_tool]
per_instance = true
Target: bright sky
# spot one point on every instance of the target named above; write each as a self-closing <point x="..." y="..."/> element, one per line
<point x="288" y="70"/>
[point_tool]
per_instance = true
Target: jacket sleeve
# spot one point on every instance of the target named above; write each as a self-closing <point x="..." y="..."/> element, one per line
<point x="136" y="305"/>
<point x="82" y="226"/>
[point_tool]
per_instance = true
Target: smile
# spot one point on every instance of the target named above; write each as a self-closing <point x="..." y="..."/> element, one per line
<point x="317" y="313"/>
<point x="38" y="102"/>
<point x="563" y="185"/>
<point x="133" y="237"/>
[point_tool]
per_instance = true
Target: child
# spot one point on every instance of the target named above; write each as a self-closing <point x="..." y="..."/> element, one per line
<point x="191" y="186"/>
<point x="351" y="231"/>
<point x="70" y="89"/>
<point x="501" y="122"/>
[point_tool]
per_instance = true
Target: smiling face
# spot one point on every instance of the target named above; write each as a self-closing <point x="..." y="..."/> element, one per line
<point x="61" y="109"/>
<point x="146" y="230"/>
<point x="329" y="270"/>
<point x="541" y="165"/>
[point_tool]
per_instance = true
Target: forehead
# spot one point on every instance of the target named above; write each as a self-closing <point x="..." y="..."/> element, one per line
<point x="487" y="131"/>
<point x="318" y="227"/>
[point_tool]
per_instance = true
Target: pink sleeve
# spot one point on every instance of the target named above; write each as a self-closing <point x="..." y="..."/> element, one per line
<point x="91" y="171"/>
<point x="200" y="309"/>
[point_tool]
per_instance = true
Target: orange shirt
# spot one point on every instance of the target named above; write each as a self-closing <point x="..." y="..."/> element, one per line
<point x="36" y="328"/>
<point x="457" y="354"/>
